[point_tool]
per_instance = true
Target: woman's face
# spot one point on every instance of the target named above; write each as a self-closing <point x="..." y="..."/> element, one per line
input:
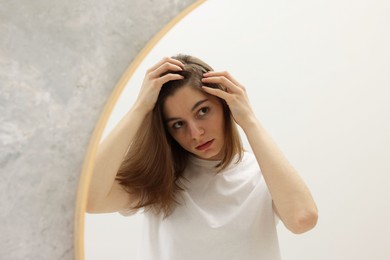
<point x="195" y="120"/>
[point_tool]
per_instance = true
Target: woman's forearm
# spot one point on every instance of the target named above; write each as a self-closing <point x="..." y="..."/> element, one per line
<point x="291" y="197"/>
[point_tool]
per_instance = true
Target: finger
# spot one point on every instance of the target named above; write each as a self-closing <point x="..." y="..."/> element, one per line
<point x="167" y="59"/>
<point x="164" y="68"/>
<point x="217" y="92"/>
<point x="164" y="60"/>
<point x="168" y="77"/>
<point x="223" y="81"/>
<point x="223" y="73"/>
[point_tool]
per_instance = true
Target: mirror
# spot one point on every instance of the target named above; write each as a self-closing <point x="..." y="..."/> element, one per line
<point x="317" y="73"/>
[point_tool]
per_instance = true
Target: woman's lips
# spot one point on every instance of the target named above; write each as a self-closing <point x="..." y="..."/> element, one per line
<point x="204" y="145"/>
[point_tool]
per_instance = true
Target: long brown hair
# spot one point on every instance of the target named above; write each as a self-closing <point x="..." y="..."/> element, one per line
<point x="152" y="169"/>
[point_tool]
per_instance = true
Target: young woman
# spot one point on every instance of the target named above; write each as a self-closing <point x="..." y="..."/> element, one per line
<point x="177" y="154"/>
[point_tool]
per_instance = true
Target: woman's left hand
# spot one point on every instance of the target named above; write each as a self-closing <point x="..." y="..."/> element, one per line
<point x="235" y="95"/>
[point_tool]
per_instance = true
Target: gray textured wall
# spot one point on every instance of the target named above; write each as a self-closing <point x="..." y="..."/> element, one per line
<point x="59" y="61"/>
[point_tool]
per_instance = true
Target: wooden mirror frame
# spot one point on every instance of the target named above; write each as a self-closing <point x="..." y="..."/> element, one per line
<point x="89" y="159"/>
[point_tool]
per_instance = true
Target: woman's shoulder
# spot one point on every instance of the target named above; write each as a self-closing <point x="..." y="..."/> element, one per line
<point x="249" y="163"/>
<point x="248" y="157"/>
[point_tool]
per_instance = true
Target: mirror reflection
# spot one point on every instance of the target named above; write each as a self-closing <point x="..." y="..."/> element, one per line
<point x="285" y="94"/>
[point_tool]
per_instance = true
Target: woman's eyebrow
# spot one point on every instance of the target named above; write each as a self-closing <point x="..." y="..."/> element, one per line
<point x="198" y="104"/>
<point x="167" y="120"/>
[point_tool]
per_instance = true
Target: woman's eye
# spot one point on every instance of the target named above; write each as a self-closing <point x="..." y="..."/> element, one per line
<point x="177" y="125"/>
<point x="203" y="111"/>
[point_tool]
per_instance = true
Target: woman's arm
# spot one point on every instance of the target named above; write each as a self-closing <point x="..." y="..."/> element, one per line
<point x="105" y="193"/>
<point x="292" y="200"/>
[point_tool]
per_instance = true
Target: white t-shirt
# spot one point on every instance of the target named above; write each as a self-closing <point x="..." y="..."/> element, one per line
<point x="222" y="216"/>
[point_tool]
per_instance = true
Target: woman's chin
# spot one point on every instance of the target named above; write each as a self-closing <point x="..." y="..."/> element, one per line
<point x="209" y="156"/>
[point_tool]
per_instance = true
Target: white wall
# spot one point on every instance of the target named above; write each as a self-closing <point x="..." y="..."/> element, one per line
<point x="317" y="73"/>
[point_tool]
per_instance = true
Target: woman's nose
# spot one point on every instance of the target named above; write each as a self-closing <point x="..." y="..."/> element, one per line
<point x="196" y="130"/>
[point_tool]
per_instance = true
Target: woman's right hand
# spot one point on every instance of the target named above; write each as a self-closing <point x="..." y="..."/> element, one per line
<point x="153" y="82"/>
